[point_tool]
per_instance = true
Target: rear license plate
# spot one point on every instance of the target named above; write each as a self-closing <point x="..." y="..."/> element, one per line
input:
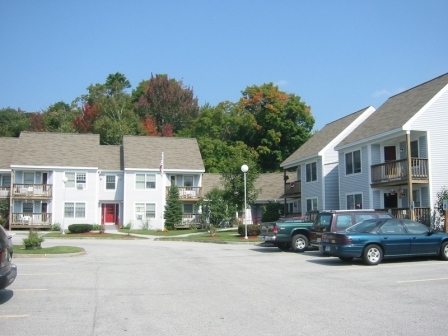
<point x="319" y="240"/>
<point x="327" y="248"/>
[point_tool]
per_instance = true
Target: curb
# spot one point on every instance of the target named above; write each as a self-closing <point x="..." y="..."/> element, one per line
<point x="19" y="256"/>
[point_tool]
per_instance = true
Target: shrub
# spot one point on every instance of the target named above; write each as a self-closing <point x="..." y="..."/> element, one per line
<point x="33" y="241"/>
<point x="233" y="221"/>
<point x="56" y="227"/>
<point x="80" y="228"/>
<point x="252" y="230"/>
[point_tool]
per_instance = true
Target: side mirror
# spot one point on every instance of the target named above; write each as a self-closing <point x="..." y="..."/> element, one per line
<point x="431" y="231"/>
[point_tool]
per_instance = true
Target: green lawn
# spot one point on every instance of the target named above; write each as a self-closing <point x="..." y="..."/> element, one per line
<point x="161" y="233"/>
<point x="20" y="249"/>
<point x="94" y="235"/>
<point x="221" y="236"/>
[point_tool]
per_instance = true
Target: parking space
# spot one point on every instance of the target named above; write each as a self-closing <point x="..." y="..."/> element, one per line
<point x="182" y="288"/>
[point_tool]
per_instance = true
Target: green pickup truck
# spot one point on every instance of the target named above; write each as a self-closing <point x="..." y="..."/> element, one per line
<point x="289" y="233"/>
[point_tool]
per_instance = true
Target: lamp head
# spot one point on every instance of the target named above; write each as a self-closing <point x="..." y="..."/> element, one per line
<point x="244" y="168"/>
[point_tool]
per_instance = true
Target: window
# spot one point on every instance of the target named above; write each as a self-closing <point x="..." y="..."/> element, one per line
<point x="110" y="182"/>
<point x="148" y="210"/>
<point x="145" y="181"/>
<point x="311" y="204"/>
<point x="6" y="181"/>
<point x="353" y="162"/>
<point x="188" y="181"/>
<point x="311" y="172"/>
<point x="188" y="208"/>
<point x="74" y="210"/>
<point x="27" y="207"/>
<point x="343" y="221"/>
<point x="354" y="201"/>
<point x="414" y="149"/>
<point x="392" y="227"/>
<point x="74" y="178"/>
<point x="28" y="178"/>
<point x="416" y="197"/>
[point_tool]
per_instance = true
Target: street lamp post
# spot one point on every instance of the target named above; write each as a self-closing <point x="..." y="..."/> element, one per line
<point x="64" y="179"/>
<point x="244" y="169"/>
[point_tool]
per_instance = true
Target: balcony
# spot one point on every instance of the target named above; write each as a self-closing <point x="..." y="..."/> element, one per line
<point x="188" y="193"/>
<point x="190" y="220"/>
<point x="396" y="172"/>
<point x="422" y="215"/>
<point x="293" y="188"/>
<point x="5" y="192"/>
<point x="33" y="191"/>
<point x="27" y="220"/>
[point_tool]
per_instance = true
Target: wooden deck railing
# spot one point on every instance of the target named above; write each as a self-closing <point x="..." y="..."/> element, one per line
<point x="422" y="215"/>
<point x="189" y="220"/>
<point x="398" y="170"/>
<point x="188" y="192"/>
<point x="293" y="188"/>
<point x="30" y="219"/>
<point x="5" y="192"/>
<point x="32" y="190"/>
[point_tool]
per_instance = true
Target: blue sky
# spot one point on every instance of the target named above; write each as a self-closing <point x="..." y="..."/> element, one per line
<point x="338" y="56"/>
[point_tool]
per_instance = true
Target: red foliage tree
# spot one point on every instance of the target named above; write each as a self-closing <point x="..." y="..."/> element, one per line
<point x="150" y="126"/>
<point x="84" y="122"/>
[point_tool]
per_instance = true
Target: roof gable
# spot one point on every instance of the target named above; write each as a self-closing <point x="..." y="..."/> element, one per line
<point x="396" y="111"/>
<point x="145" y="152"/>
<point x="324" y="137"/>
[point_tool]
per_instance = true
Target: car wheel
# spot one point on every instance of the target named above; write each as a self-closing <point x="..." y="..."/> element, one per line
<point x="444" y="251"/>
<point x="299" y="243"/>
<point x="284" y="246"/>
<point x="372" y="255"/>
<point x="346" y="258"/>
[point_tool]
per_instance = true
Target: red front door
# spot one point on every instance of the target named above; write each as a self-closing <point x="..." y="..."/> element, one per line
<point x="109" y="213"/>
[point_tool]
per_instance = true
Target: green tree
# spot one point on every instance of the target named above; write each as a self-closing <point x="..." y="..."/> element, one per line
<point x="59" y="116"/>
<point x="233" y="181"/>
<point x="274" y="123"/>
<point x="4" y="212"/>
<point x="271" y="212"/>
<point x="439" y="213"/>
<point x="173" y="208"/>
<point x="113" y="114"/>
<point x="12" y="122"/>
<point x="214" y="205"/>
<point x="166" y="100"/>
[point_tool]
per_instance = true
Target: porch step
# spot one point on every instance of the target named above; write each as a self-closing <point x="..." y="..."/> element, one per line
<point x="110" y="228"/>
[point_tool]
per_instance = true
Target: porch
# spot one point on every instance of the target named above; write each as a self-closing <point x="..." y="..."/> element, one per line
<point x="36" y="191"/>
<point x="28" y="220"/>
<point x="293" y="189"/>
<point x="396" y="172"/>
<point x="422" y="215"/>
<point x="5" y="192"/>
<point x="190" y="193"/>
<point x="190" y="220"/>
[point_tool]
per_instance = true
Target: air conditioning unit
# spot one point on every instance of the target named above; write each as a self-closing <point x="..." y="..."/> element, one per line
<point x="80" y="185"/>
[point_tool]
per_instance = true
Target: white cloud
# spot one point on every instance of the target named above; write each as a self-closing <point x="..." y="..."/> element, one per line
<point x="281" y="82"/>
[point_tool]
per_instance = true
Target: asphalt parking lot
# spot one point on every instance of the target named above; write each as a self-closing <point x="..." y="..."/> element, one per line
<point x="147" y="287"/>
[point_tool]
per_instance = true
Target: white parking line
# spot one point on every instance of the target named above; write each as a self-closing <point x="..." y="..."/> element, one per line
<point x="422" y="280"/>
<point x="30" y="289"/>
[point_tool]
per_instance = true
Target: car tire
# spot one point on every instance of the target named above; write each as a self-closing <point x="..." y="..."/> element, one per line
<point x="299" y="243"/>
<point x="372" y="255"/>
<point x="346" y="259"/>
<point x="444" y="251"/>
<point x="284" y="246"/>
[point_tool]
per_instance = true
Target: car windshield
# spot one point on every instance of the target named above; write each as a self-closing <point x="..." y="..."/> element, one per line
<point x="365" y="226"/>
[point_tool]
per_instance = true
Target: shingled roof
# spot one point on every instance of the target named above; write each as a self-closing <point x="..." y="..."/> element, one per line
<point x="144" y="152"/>
<point x="57" y="149"/>
<point x="8" y="146"/>
<point x="110" y="158"/>
<point x="323" y="137"/>
<point x="396" y="111"/>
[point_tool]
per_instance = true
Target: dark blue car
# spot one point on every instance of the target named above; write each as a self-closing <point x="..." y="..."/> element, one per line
<point x="374" y="239"/>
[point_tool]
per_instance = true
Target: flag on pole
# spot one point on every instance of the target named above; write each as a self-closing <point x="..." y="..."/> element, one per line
<point x="161" y="165"/>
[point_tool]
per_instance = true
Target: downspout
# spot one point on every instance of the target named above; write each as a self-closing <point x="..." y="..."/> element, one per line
<point x="11" y="191"/>
<point x="409" y="162"/>
<point x="284" y="192"/>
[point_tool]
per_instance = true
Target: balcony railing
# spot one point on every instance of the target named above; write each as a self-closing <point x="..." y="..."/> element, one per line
<point x="398" y="170"/>
<point x="422" y="215"/>
<point x="5" y="192"/>
<point x="32" y="190"/>
<point x="188" y="192"/>
<point x="293" y="188"/>
<point x="31" y="219"/>
<point x="189" y="220"/>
